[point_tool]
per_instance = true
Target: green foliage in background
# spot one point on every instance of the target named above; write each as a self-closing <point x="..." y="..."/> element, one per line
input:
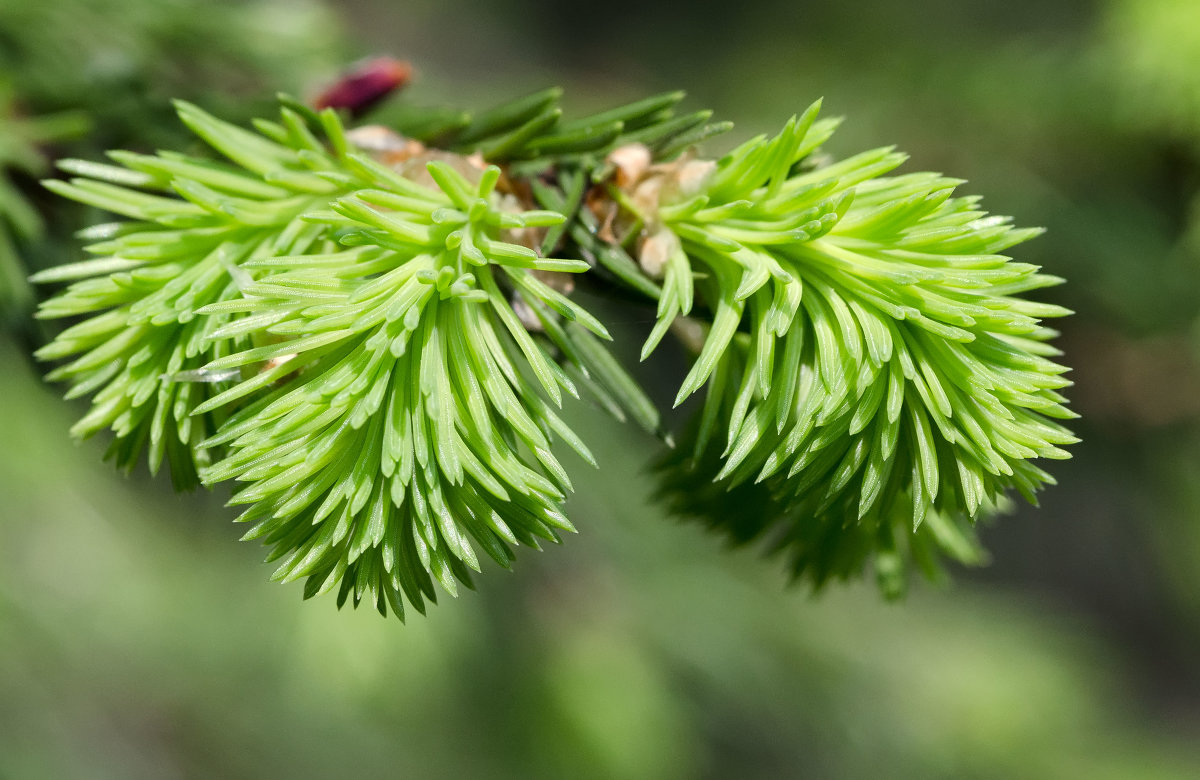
<point x="1151" y="52"/>
<point x="20" y="223"/>
<point x="121" y="60"/>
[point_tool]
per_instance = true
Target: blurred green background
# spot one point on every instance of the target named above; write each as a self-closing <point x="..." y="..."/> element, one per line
<point x="138" y="639"/>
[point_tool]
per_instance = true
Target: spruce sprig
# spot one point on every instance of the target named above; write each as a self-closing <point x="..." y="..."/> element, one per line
<point x="372" y="336"/>
<point x="870" y="359"/>
<point x="308" y="320"/>
<point x="414" y="423"/>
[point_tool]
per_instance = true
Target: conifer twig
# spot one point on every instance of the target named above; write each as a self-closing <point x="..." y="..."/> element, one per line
<point x="371" y="331"/>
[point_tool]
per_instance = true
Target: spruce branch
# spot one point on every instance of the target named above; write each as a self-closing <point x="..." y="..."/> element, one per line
<point x="371" y="329"/>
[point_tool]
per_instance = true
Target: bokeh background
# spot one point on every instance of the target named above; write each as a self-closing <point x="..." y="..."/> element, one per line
<point x="138" y="639"/>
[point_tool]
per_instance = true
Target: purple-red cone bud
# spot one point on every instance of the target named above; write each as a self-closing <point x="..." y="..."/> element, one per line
<point x="364" y="86"/>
